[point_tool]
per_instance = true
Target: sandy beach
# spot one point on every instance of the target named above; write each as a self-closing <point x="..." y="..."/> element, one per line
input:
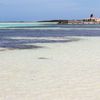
<point x="58" y="71"/>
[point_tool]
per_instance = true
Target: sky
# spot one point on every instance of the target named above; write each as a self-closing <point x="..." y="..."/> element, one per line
<point x="32" y="10"/>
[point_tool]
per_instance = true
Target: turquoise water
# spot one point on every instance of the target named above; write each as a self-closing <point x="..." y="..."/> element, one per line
<point x="23" y="25"/>
<point x="11" y="25"/>
<point x="47" y="26"/>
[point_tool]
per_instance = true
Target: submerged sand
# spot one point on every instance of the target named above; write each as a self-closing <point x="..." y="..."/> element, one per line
<point x="59" y="71"/>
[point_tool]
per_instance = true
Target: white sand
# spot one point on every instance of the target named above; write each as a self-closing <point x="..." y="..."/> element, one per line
<point x="61" y="71"/>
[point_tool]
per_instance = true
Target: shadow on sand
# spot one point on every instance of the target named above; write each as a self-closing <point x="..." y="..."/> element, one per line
<point x="29" y="43"/>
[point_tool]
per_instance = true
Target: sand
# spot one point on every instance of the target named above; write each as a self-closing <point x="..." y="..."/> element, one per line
<point x="59" y="71"/>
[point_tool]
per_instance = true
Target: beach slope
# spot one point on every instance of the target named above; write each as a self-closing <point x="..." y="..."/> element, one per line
<point x="59" y="71"/>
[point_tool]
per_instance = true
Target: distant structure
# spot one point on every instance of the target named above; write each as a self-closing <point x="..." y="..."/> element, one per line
<point x="91" y="20"/>
<point x="91" y="16"/>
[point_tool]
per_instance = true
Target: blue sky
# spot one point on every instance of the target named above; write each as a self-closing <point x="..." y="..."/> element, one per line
<point x="47" y="9"/>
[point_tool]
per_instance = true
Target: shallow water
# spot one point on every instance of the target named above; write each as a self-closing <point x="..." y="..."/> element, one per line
<point x="9" y="33"/>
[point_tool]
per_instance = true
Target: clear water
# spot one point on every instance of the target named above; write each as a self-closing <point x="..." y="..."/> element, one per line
<point x="10" y="31"/>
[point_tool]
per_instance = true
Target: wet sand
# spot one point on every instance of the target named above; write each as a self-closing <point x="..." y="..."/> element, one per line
<point x="58" y="71"/>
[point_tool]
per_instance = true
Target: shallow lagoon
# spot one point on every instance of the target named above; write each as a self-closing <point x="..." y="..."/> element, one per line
<point x="32" y="32"/>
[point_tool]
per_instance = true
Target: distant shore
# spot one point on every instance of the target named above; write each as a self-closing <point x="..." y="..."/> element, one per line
<point x="82" y="21"/>
<point x="73" y="21"/>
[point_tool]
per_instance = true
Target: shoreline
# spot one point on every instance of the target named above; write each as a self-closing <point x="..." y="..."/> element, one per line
<point x="60" y="71"/>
